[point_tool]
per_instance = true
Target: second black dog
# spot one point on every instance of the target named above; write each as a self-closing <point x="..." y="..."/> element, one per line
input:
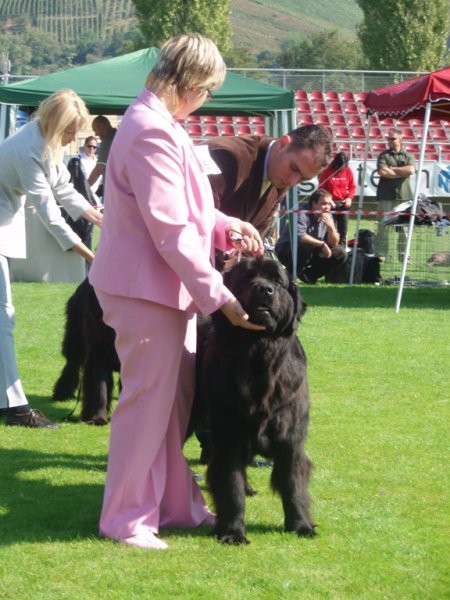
<point x="88" y="347"/>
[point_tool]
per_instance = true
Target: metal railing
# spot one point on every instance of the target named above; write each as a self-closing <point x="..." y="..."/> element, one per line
<point x="327" y="79"/>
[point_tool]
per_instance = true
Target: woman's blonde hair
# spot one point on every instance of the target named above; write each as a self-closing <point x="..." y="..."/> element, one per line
<point x="187" y="61"/>
<point x="62" y="110"/>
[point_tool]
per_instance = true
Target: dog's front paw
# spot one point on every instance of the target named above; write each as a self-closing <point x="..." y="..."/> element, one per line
<point x="305" y="530"/>
<point x="99" y="420"/>
<point x="236" y="538"/>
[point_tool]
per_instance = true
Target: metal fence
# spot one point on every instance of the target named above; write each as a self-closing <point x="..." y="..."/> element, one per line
<point x="303" y="79"/>
<point x="327" y="79"/>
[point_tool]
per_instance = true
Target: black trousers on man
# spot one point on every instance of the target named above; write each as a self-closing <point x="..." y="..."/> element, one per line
<point x="311" y="265"/>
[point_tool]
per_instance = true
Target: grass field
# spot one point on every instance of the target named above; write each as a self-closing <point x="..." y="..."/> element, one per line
<point x="378" y="438"/>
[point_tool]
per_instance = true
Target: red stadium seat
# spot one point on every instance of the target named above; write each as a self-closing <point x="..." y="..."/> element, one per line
<point x="244" y="130"/>
<point x="358" y="133"/>
<point x="322" y="120"/>
<point x="387" y="122"/>
<point x="225" y="119"/>
<point x="431" y="152"/>
<point x="315" y="96"/>
<point x="242" y="120"/>
<point x="343" y="147"/>
<point x="211" y="130"/>
<point x="408" y="133"/>
<point x="419" y="134"/>
<point x="303" y="107"/>
<point x="354" y="120"/>
<point x="342" y="132"/>
<point x="338" y="121"/>
<point x="259" y="130"/>
<point x="350" y="108"/>
<point x="413" y="148"/>
<point x="227" y="129"/>
<point x="209" y="119"/>
<point x="331" y="96"/>
<point x="318" y="107"/>
<point x="301" y="96"/>
<point x="335" y="108"/>
<point x="359" y="149"/>
<point x="375" y="133"/>
<point x="195" y="130"/>
<point x="257" y="120"/>
<point x="360" y="96"/>
<point x="194" y="119"/>
<point x="347" y="97"/>
<point x="304" y="119"/>
<point x="378" y="147"/>
<point x="439" y="134"/>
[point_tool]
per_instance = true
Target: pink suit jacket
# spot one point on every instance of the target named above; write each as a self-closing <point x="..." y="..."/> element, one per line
<point x="160" y="226"/>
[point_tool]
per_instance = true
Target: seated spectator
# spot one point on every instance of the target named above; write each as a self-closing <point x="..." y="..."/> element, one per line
<point x="319" y="251"/>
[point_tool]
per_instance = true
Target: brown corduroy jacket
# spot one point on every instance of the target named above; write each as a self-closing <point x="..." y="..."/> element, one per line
<point x="237" y="189"/>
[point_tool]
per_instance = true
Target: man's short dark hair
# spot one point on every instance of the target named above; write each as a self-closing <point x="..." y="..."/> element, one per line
<point x="312" y="137"/>
<point x="317" y="196"/>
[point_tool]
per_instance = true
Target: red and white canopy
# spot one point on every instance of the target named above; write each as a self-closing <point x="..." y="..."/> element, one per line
<point x="408" y="99"/>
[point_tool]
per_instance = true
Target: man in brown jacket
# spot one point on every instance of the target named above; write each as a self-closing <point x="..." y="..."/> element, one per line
<point x="256" y="172"/>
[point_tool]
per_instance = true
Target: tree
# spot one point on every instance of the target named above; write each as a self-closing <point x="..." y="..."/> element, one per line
<point x="404" y="35"/>
<point x="322" y="50"/>
<point x="161" y="19"/>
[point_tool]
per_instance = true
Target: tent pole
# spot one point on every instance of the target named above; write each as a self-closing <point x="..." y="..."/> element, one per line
<point x="414" y="206"/>
<point x="360" y="201"/>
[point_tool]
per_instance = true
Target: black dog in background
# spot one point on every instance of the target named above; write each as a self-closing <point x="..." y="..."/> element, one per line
<point x="88" y="347"/>
<point x="254" y="385"/>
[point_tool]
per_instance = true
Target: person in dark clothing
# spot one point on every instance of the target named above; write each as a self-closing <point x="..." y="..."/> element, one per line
<point x="318" y="246"/>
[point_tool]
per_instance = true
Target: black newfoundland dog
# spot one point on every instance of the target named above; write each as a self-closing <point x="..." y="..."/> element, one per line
<point x="88" y="347"/>
<point x="255" y="387"/>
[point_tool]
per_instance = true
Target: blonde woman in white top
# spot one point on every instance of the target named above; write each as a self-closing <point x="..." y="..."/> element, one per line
<point x="31" y="165"/>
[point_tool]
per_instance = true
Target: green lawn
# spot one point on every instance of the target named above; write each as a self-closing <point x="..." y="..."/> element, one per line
<point x="378" y="437"/>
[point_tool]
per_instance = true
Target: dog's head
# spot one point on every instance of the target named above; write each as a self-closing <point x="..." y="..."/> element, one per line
<point x="267" y="293"/>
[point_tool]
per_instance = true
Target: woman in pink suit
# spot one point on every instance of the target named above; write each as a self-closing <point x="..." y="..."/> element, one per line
<point x="152" y="273"/>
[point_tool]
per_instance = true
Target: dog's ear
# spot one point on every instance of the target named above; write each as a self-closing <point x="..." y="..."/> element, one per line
<point x="299" y="304"/>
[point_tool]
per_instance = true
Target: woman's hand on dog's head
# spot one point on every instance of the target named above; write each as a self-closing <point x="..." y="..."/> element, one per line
<point x="237" y="316"/>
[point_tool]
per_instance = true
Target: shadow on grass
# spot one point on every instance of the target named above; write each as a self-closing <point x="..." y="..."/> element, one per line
<point x="37" y="510"/>
<point x="372" y="296"/>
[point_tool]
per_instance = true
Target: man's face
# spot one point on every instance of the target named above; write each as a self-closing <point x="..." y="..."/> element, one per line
<point x="324" y="204"/>
<point x="394" y="141"/>
<point x="287" y="167"/>
<point x="100" y="129"/>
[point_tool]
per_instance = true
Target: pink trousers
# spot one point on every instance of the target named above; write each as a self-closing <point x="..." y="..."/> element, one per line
<point x="148" y="482"/>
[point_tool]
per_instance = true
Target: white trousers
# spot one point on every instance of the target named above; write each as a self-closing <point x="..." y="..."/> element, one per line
<point x="11" y="391"/>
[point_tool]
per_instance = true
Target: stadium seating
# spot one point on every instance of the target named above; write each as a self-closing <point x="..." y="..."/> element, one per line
<point x="345" y="117"/>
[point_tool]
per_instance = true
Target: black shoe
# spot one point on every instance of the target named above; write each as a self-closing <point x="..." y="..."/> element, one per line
<point x="307" y="278"/>
<point x="32" y="418"/>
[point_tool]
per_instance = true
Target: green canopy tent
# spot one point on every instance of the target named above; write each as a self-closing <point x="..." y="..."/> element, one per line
<point x="109" y="86"/>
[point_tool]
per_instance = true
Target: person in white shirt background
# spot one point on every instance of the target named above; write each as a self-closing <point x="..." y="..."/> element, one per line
<point x="88" y="159"/>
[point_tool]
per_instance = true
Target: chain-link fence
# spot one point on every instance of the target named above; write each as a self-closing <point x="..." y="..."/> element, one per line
<point x="326" y="79"/>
